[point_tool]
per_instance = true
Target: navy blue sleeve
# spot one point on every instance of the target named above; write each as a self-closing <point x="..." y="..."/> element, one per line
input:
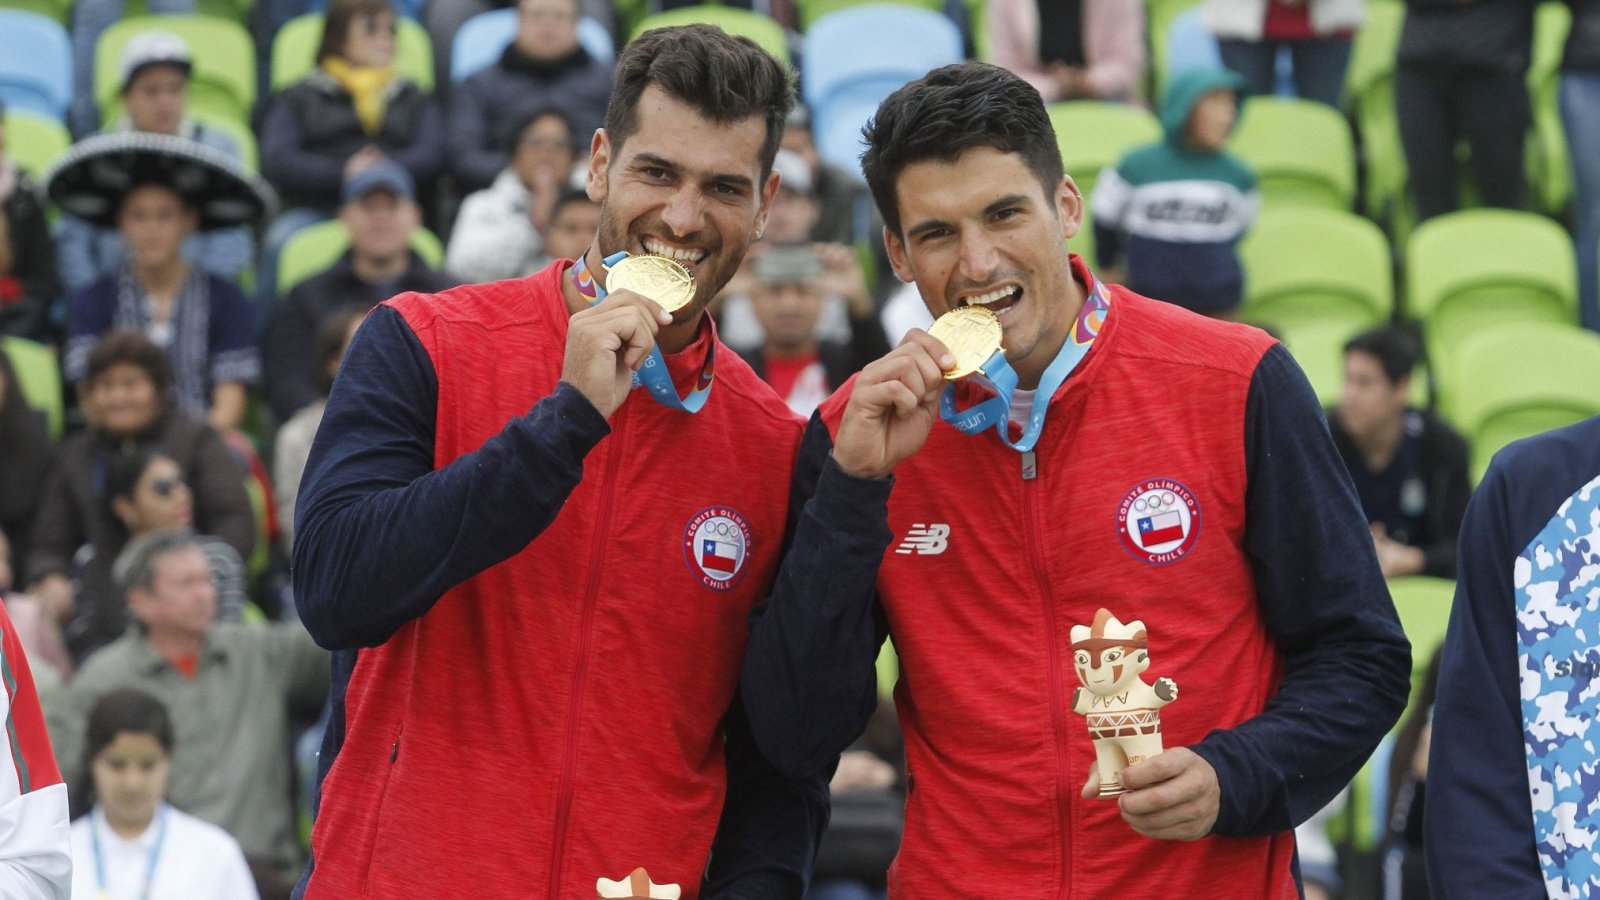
<point x="380" y="534"/>
<point x="1347" y="663"/>
<point x="1478" y="825"/>
<point x="809" y="680"/>
<point x="766" y="843"/>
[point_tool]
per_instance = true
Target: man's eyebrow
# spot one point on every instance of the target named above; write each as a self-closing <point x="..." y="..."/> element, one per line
<point x="661" y="162"/>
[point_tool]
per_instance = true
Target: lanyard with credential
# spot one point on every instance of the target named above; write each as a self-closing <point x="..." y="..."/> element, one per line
<point x="997" y="375"/>
<point x="150" y="866"/>
<point x="653" y="374"/>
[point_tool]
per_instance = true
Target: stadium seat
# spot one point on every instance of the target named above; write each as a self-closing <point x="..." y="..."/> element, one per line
<point x="1094" y="134"/>
<point x="1423" y="603"/>
<point x="484" y="37"/>
<point x="1369" y="92"/>
<point x="1312" y="266"/>
<point x="1189" y="45"/>
<point x="1481" y="268"/>
<point x="34" y="140"/>
<point x="35" y="63"/>
<point x="58" y="10"/>
<point x="294" y="51"/>
<point x="39" y="377"/>
<point x="1318" y="347"/>
<point x="849" y="68"/>
<point x="241" y="134"/>
<point x="813" y="11"/>
<point x="223" y="84"/>
<point x="1301" y="150"/>
<point x="316" y="247"/>
<point x="1519" y="379"/>
<point x="762" y="29"/>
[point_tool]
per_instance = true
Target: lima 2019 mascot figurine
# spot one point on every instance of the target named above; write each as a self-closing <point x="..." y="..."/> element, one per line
<point x="637" y="886"/>
<point x="1123" y="711"/>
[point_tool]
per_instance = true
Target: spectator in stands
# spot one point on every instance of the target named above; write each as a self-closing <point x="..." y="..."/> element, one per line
<point x="1316" y="33"/>
<point x="1460" y="75"/>
<point x="791" y="284"/>
<point x="155" y="70"/>
<point x="26" y="453"/>
<point x="124" y="393"/>
<point x="1513" y="805"/>
<point x="1177" y="209"/>
<point x="204" y="322"/>
<point x="28" y="286"/>
<point x="572" y="225"/>
<point x="294" y="438"/>
<point x="354" y="109"/>
<point x="1580" y="110"/>
<point x="131" y="844"/>
<point x="1409" y="467"/>
<point x="90" y="19"/>
<point x="232" y="691"/>
<point x="499" y="232"/>
<point x="1071" y="49"/>
<point x="146" y="492"/>
<point x="842" y="196"/>
<point x="379" y="208"/>
<point x="543" y="68"/>
<point x="444" y="19"/>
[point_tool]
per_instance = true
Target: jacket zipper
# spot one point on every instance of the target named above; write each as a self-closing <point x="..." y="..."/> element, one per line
<point x="1030" y="503"/>
<point x="581" y="670"/>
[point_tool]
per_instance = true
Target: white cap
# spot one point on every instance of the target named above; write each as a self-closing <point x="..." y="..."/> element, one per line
<point x="150" y="48"/>
<point x="793" y="173"/>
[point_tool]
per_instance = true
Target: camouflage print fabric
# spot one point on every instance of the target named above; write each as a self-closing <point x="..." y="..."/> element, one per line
<point x="1558" y="629"/>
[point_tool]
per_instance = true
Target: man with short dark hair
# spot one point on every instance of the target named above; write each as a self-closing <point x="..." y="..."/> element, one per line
<point x="233" y="691"/>
<point x="1127" y="462"/>
<point x="1409" y="467"/>
<point x="378" y="207"/>
<point x="536" y="578"/>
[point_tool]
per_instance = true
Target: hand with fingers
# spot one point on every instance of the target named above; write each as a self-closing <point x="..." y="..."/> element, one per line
<point x="607" y="343"/>
<point x="893" y="407"/>
<point x="1171" y="796"/>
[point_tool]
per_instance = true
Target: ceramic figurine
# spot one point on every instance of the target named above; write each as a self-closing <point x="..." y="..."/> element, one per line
<point x="1123" y="710"/>
<point x="637" y="886"/>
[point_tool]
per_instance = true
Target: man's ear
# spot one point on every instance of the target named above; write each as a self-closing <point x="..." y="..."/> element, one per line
<point x="599" y="162"/>
<point x="1069" y="206"/>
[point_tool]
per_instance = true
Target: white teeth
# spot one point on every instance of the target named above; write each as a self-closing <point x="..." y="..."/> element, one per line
<point x="991" y="297"/>
<point x="677" y="253"/>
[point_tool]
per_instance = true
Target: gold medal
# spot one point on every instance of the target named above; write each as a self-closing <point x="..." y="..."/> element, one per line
<point x="971" y="334"/>
<point x="663" y="280"/>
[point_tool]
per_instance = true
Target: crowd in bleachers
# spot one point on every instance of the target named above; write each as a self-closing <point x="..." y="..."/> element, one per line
<point x="1406" y="192"/>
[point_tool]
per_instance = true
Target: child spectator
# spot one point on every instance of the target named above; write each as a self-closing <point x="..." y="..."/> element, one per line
<point x="573" y="223"/>
<point x="1176" y="210"/>
<point x="132" y="843"/>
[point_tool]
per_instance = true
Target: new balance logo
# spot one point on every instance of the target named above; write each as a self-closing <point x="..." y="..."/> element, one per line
<point x="926" y="540"/>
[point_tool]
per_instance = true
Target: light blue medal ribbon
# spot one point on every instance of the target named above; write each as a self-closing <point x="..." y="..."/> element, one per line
<point x="653" y="375"/>
<point x="997" y="375"/>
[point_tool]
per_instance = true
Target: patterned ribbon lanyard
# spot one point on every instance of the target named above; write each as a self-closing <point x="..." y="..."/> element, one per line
<point x="653" y="374"/>
<point x="150" y="866"/>
<point x="998" y="376"/>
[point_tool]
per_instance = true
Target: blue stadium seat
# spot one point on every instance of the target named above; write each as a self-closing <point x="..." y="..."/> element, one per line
<point x="35" y="63"/>
<point x="483" y="37"/>
<point x="1190" y="45"/>
<point x="849" y="67"/>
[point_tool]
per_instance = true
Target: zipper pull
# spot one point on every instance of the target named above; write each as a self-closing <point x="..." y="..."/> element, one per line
<point x="1030" y="466"/>
<point x="394" y="752"/>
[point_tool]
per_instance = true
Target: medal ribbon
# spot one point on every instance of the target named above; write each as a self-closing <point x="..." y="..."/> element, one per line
<point x="997" y="375"/>
<point x="150" y="867"/>
<point x="653" y="375"/>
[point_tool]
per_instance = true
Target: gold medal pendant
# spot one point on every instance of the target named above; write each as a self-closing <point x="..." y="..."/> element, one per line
<point x="663" y="280"/>
<point x="971" y="334"/>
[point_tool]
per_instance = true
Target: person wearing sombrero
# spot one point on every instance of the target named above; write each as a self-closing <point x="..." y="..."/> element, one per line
<point x="156" y="190"/>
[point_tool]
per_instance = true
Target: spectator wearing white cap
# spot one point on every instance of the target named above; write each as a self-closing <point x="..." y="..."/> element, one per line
<point x="155" y="68"/>
<point x="90" y="19"/>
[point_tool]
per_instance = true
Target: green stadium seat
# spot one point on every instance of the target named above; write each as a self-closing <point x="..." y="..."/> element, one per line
<point x="1158" y="18"/>
<point x="1480" y="268"/>
<point x="294" y="51"/>
<point x="1301" y="150"/>
<point x="1309" y="266"/>
<point x="39" y="377"/>
<point x="34" y="139"/>
<point x="241" y="134"/>
<point x="223" y="84"/>
<point x="1319" y="349"/>
<point x="764" y="30"/>
<point x="1094" y="134"/>
<point x="60" y="10"/>
<point x="316" y="247"/>
<point x="1520" y="379"/>
<point x="1423" y="603"/>
<point x="1369" y="92"/>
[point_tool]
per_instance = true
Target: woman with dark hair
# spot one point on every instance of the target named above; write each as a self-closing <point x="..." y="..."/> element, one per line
<point x="353" y="109"/>
<point x="500" y="231"/>
<point x="129" y="843"/>
<point x="25" y="454"/>
<point x="124" y="392"/>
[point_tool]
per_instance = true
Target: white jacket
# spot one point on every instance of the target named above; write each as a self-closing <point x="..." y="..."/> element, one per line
<point x="493" y="239"/>
<point x="1243" y="19"/>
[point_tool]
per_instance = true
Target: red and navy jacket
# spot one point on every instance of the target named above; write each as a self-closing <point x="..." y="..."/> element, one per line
<point x="551" y="612"/>
<point x="1185" y="478"/>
